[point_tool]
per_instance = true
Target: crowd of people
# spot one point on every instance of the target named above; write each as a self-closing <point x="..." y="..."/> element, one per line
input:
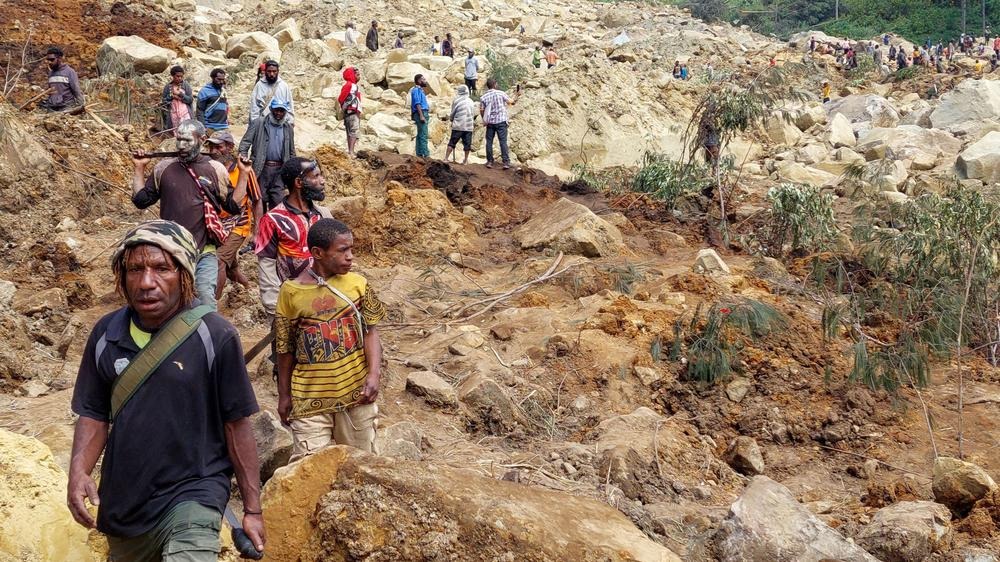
<point x="887" y="55"/>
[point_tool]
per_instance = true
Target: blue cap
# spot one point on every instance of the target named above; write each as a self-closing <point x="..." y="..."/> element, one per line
<point x="275" y="104"/>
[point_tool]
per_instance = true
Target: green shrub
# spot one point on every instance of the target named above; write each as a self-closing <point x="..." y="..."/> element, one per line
<point x="668" y="180"/>
<point x="800" y="217"/>
<point x="505" y="69"/>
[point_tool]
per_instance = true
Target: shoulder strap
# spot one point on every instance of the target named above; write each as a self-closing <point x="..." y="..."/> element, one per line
<point x="163" y="344"/>
<point x="343" y="297"/>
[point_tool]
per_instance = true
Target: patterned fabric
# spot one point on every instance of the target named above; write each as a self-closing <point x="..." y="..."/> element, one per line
<point x="169" y="236"/>
<point x="213" y="223"/>
<point x="326" y="337"/>
<point x="239" y="225"/>
<point x="281" y="236"/>
<point x="463" y="111"/>
<point x="494" y="107"/>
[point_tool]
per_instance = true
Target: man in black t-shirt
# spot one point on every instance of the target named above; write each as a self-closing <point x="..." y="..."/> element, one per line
<point x="174" y="445"/>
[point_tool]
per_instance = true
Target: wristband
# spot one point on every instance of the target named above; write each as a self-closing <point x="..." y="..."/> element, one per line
<point x="248" y="512"/>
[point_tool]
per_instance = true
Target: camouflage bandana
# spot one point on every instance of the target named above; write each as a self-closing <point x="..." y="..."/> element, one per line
<point x="169" y="236"/>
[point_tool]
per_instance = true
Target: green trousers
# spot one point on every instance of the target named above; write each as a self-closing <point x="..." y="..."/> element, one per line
<point x="422" y="149"/>
<point x="187" y="533"/>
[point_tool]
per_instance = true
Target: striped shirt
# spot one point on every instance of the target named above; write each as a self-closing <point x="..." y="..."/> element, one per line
<point x="495" y="107"/>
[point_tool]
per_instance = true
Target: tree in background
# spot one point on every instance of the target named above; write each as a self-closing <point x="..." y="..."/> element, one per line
<point x="708" y="10"/>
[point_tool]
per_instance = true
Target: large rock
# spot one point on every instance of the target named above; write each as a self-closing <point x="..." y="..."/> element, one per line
<point x="399" y="76"/>
<point x="488" y="405"/>
<point x="19" y="148"/>
<point x="391" y="128"/>
<point x="432" y="388"/>
<point x="981" y="159"/>
<point x="434" y="62"/>
<point x="766" y="523"/>
<point x="274" y="443"/>
<point x="34" y="521"/>
<point x="969" y="106"/>
<point x="906" y="531"/>
<point x="343" y="504"/>
<point x="860" y="108"/>
<point x="286" y="32"/>
<point x="781" y="131"/>
<point x="795" y="172"/>
<point x="141" y="54"/>
<point x="959" y="484"/>
<point x="572" y="228"/>
<point x="310" y="56"/>
<point x="743" y="454"/>
<point x="708" y="261"/>
<point x="912" y="142"/>
<point x="809" y="115"/>
<point x="841" y="134"/>
<point x="254" y="43"/>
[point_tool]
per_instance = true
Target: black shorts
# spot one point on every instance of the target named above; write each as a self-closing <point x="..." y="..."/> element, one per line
<point x="470" y="83"/>
<point x="466" y="137"/>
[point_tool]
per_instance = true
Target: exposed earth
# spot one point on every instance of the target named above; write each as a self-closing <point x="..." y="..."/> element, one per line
<point x="528" y="392"/>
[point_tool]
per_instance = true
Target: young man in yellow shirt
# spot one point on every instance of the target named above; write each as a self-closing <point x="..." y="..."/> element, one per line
<point x="329" y="351"/>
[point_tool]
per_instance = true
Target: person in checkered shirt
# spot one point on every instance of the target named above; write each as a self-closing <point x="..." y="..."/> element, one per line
<point x="493" y="109"/>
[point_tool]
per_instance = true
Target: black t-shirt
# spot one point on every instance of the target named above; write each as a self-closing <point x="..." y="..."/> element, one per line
<point x="168" y="443"/>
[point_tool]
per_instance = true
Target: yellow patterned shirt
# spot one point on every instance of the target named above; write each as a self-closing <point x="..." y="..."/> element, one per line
<point x="324" y="334"/>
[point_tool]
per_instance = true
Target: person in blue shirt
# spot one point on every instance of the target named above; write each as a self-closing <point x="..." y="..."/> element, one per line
<point x="213" y="109"/>
<point x="420" y="111"/>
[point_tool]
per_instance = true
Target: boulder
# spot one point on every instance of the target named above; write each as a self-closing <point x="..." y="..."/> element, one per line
<point x="434" y="390"/>
<point x="708" y="262"/>
<point x="571" y="228"/>
<point x="841" y="134"/>
<point x="798" y="173"/>
<point x="981" y="159"/>
<point x="399" y="77"/>
<point x="310" y="56"/>
<point x="767" y="523"/>
<point x="433" y="62"/>
<point x="744" y="456"/>
<point x="909" y="531"/>
<point x="868" y="107"/>
<point x="969" y="106"/>
<point x="349" y="505"/>
<point x="781" y="131"/>
<point x="274" y="443"/>
<point x="254" y="43"/>
<point x="811" y="154"/>
<point x="959" y="484"/>
<point x="30" y="303"/>
<point x="912" y="142"/>
<point x="118" y="51"/>
<point x="504" y="21"/>
<point x="809" y="115"/>
<point x="488" y="405"/>
<point x="391" y="128"/>
<point x="286" y="32"/>
<point x="19" y="148"/>
<point x="34" y="521"/>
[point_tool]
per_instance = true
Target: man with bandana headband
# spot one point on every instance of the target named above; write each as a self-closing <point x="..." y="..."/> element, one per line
<point x="192" y="190"/>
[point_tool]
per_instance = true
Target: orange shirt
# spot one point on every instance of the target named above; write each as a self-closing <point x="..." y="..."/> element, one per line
<point x="240" y="224"/>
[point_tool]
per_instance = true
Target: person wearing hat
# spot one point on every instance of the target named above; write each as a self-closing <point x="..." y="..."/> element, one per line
<point x="472" y="69"/>
<point x="182" y="427"/>
<point x="269" y="142"/>
<point x="463" y="120"/>
<point x="221" y="146"/>
<point x="271" y="88"/>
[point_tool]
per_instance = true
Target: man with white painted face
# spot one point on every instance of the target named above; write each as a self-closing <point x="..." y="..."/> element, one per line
<point x="270" y="142"/>
<point x="192" y="190"/>
<point x="272" y="88"/>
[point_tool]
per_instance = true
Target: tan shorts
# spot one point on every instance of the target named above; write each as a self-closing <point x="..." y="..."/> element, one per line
<point x="352" y="123"/>
<point x="229" y="251"/>
<point x="354" y="427"/>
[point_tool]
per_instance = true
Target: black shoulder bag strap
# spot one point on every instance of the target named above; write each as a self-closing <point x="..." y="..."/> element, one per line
<point x="163" y="344"/>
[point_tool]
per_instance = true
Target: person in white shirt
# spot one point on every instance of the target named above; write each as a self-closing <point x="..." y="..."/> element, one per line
<point x="271" y="88"/>
<point x="472" y="69"/>
<point x="351" y="35"/>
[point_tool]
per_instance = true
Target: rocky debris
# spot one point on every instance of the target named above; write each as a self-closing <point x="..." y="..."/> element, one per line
<point x="488" y="405"/>
<point x="572" y="228"/>
<point x="737" y="389"/>
<point x="981" y="159"/>
<point x="906" y="531"/>
<point x="841" y="133"/>
<point x="141" y="54"/>
<point x="274" y="443"/>
<point x="402" y="440"/>
<point x="911" y="142"/>
<point x="870" y="108"/>
<point x="391" y="128"/>
<point x="432" y="388"/>
<point x="959" y="484"/>
<point x="255" y="43"/>
<point x="795" y="172"/>
<point x="7" y="292"/>
<point x="709" y="262"/>
<point x="970" y="106"/>
<point x="744" y="456"/>
<point x="311" y="55"/>
<point x="809" y="115"/>
<point x="399" y="77"/>
<point x="34" y="521"/>
<point x="19" y="147"/>
<point x="335" y="498"/>
<point x="767" y="523"/>
<point x="30" y="303"/>
<point x="647" y="375"/>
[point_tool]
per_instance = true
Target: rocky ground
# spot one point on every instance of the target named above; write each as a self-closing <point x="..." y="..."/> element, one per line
<point x="525" y="401"/>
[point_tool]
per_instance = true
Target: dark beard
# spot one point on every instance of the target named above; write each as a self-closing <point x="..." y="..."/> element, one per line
<point x="225" y="159"/>
<point x="310" y="193"/>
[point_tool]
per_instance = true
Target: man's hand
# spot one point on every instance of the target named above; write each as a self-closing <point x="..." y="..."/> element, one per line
<point x="244" y="164"/>
<point x="140" y="159"/>
<point x="253" y="526"/>
<point x="370" y="391"/>
<point x="284" y="408"/>
<point x="81" y="487"/>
